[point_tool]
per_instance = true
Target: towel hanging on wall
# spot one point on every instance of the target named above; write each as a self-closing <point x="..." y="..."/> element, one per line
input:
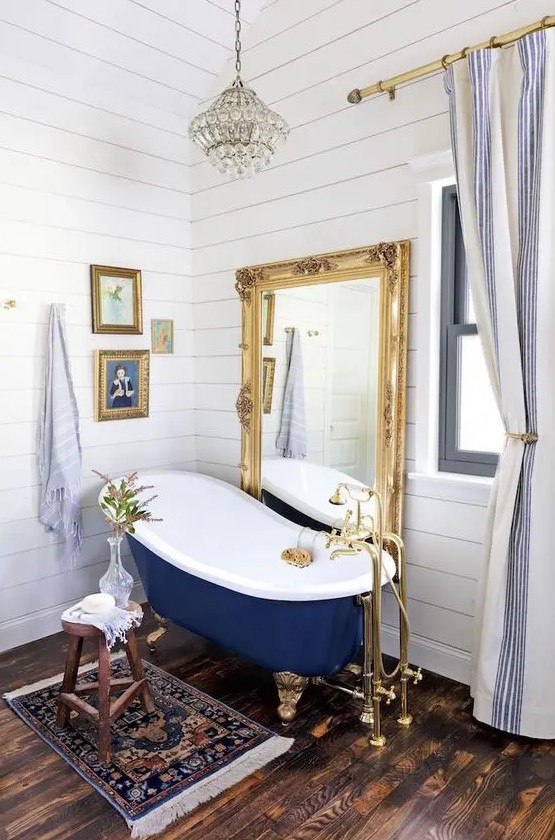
<point x="292" y="437"/>
<point x="59" y="446"/>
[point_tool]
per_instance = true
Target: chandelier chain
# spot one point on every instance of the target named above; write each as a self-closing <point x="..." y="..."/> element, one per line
<point x="238" y="36"/>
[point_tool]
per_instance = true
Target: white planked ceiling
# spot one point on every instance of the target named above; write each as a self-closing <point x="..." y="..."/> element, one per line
<point x="163" y="54"/>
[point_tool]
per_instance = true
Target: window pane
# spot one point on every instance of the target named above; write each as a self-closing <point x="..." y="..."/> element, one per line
<point x="480" y="427"/>
<point x="470" y="317"/>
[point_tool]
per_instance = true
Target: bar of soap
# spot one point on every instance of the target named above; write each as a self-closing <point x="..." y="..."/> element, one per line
<point x="98" y="603"/>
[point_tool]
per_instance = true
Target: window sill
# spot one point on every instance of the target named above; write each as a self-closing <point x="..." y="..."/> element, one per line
<point x="452" y="487"/>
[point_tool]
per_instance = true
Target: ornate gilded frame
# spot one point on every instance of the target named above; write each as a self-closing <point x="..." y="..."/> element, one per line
<point x="390" y="262"/>
<point x="101" y="357"/>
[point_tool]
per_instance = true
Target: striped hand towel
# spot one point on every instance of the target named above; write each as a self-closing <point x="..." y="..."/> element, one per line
<point x="59" y="446"/>
<point x="292" y="437"/>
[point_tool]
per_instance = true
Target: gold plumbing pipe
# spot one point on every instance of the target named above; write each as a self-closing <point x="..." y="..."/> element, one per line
<point x="389" y="86"/>
<point x="350" y="540"/>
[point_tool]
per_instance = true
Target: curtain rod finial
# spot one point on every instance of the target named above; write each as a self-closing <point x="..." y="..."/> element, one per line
<point x="354" y="97"/>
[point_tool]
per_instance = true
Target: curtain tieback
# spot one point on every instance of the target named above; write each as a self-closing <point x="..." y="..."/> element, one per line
<point x="525" y="437"/>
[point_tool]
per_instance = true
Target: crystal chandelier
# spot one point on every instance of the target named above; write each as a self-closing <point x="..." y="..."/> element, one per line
<point x="238" y="133"/>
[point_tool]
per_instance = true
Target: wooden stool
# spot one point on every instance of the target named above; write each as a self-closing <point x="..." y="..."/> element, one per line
<point x="107" y="712"/>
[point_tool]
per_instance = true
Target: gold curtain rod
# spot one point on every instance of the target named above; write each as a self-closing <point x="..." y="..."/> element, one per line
<point x="389" y="85"/>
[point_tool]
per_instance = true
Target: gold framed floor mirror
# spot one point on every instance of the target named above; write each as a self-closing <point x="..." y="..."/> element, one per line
<point x="350" y="309"/>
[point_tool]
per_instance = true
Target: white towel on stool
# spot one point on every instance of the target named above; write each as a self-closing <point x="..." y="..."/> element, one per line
<point x="114" y="623"/>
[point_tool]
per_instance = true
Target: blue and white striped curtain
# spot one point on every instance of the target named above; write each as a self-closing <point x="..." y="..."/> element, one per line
<point x="502" y="105"/>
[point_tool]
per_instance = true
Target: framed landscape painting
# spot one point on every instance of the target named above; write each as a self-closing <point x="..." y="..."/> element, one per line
<point x="116" y="295"/>
<point x="121" y="384"/>
<point x="162" y="336"/>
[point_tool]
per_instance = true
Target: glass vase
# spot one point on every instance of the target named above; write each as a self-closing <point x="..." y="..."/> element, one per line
<point x="117" y="581"/>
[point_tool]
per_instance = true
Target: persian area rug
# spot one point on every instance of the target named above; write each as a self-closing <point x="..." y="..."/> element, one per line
<point x="163" y="764"/>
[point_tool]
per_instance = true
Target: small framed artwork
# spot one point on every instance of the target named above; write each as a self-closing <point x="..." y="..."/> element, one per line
<point x="268" y="312"/>
<point x="268" y="373"/>
<point x="121" y="384"/>
<point x="116" y="295"/>
<point x="162" y="336"/>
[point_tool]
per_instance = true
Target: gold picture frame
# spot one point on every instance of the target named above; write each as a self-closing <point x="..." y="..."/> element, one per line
<point x="387" y="261"/>
<point x="122" y="381"/>
<point x="268" y="375"/>
<point x="116" y="300"/>
<point x="268" y="314"/>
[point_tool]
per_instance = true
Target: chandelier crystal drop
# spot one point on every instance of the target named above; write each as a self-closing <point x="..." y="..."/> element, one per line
<point x="238" y="133"/>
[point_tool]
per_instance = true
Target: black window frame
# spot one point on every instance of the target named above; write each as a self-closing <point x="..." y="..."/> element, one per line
<point x="454" y="288"/>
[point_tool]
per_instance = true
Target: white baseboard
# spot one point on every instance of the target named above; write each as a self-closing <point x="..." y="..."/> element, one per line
<point x="430" y="655"/>
<point x="37" y="625"/>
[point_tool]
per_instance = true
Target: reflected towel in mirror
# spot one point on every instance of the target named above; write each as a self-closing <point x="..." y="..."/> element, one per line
<point x="292" y="437"/>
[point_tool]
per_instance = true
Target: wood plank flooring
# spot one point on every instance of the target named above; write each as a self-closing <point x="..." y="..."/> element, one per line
<point x="446" y="778"/>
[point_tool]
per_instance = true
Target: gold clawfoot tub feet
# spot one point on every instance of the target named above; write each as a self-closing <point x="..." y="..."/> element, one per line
<point x="290" y="688"/>
<point x="153" y="637"/>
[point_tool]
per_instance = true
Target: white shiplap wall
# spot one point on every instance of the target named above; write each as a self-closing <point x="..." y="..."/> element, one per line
<point x="342" y="181"/>
<point x="94" y="168"/>
<point x="90" y="172"/>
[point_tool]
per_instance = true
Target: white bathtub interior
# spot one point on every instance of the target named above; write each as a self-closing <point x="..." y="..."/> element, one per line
<point x="213" y="530"/>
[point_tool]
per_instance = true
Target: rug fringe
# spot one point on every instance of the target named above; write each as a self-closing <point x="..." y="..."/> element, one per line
<point x="37" y="686"/>
<point x="183" y="803"/>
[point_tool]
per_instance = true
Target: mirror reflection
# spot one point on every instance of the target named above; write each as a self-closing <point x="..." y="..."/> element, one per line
<point x="320" y="379"/>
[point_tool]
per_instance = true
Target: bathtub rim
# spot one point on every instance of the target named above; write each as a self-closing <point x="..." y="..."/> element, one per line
<point x="346" y="588"/>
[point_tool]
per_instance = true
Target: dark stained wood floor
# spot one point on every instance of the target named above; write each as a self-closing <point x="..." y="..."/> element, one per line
<point x="446" y="778"/>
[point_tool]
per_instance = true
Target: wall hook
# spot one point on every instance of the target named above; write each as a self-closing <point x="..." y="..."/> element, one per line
<point x="310" y="333"/>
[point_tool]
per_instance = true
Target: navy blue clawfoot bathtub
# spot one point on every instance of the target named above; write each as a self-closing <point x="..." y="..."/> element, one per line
<point x="213" y="566"/>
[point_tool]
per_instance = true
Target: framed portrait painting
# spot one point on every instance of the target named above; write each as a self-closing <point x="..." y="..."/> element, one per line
<point x="116" y="295"/>
<point x="162" y="336"/>
<point x="121" y="384"/>
<point x="268" y="373"/>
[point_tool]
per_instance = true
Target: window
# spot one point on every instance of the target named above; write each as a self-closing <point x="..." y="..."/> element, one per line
<point x="470" y="429"/>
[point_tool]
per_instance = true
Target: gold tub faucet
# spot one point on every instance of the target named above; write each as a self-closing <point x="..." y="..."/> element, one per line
<point x="365" y="533"/>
